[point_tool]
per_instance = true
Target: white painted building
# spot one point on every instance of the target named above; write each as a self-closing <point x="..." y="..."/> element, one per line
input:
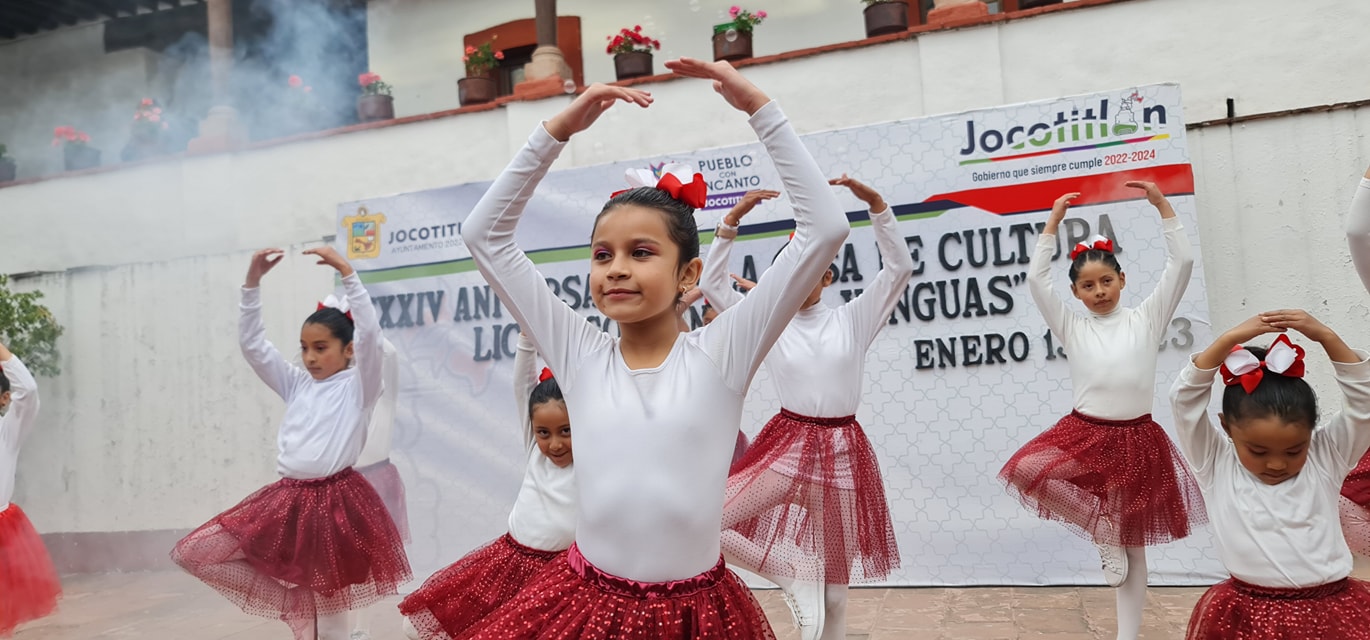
<point x="155" y="424"/>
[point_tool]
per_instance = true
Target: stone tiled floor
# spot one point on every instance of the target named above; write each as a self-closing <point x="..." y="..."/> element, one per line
<point x="173" y="606"/>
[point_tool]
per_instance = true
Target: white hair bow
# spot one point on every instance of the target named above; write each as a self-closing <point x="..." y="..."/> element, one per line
<point x="334" y="302"/>
<point x="1243" y="367"/>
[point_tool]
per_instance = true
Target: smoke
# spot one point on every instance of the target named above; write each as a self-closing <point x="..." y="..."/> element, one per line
<point x="93" y="76"/>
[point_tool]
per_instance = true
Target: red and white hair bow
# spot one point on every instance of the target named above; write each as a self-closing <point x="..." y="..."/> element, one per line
<point x="1242" y="367"/>
<point x="545" y="375"/>
<point x="1097" y="242"/>
<point x="679" y="180"/>
<point x="334" y="302"/>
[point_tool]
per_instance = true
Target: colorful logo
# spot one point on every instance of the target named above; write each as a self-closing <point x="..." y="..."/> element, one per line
<point x="363" y="234"/>
<point x="1098" y="124"/>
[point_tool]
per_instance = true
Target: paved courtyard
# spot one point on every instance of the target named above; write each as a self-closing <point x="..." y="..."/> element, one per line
<point x="173" y="606"/>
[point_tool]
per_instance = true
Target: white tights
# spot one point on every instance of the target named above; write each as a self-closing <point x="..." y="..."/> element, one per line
<point x="332" y="626"/>
<point x="835" y="614"/>
<point x="1132" y="595"/>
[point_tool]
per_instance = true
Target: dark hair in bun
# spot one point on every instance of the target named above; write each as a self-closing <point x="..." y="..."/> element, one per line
<point x="335" y="321"/>
<point x="1289" y="399"/>
<point x="680" y="218"/>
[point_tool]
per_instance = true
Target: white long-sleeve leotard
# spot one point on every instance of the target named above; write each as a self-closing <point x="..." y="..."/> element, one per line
<point x="324" y="426"/>
<point x="1358" y="231"/>
<point x="16" y="423"/>
<point x="1113" y="355"/>
<point x="380" y="432"/>
<point x="544" y="513"/>
<point x="1286" y="535"/>
<point x="653" y="446"/>
<point x="819" y="361"/>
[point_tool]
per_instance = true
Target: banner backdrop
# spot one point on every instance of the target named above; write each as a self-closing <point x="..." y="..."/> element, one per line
<point x="963" y="375"/>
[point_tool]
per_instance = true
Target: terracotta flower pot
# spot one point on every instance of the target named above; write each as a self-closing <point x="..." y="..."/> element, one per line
<point x="633" y="64"/>
<point x="476" y="90"/>
<point x="77" y="157"/>
<point x="739" y="48"/>
<point x="371" y="108"/>
<point x="7" y="169"/>
<point x="887" y="17"/>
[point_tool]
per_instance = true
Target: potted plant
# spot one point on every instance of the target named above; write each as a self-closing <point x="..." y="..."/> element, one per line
<point x="146" y="133"/>
<point x="478" y="86"/>
<point x="886" y="16"/>
<point x="76" y="152"/>
<point x="7" y="166"/>
<point x="375" y="102"/>
<point x="632" y="53"/>
<point x="733" y="40"/>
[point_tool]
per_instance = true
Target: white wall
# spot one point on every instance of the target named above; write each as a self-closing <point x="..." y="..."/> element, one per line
<point x="156" y="423"/>
<point x="419" y="43"/>
<point x="65" y="78"/>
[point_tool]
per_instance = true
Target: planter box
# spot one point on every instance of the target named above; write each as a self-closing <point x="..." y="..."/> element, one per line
<point x="739" y="48"/>
<point x="373" y="108"/>
<point x="887" y="17"/>
<point x="476" y="90"/>
<point x="76" y="157"/>
<point x="635" y="64"/>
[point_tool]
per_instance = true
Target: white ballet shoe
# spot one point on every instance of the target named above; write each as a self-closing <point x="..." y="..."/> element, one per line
<point x="806" y="604"/>
<point x="1114" y="560"/>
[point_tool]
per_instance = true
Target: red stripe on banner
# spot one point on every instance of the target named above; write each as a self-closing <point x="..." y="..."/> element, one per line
<point x="1173" y="179"/>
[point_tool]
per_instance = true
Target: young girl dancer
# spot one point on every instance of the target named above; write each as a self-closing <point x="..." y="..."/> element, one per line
<point x="1355" y="492"/>
<point x="28" y="583"/>
<point x="541" y="525"/>
<point x="653" y="457"/>
<point x="810" y="484"/>
<point x="1107" y="471"/>
<point x="319" y="542"/>
<point x="1270" y="481"/>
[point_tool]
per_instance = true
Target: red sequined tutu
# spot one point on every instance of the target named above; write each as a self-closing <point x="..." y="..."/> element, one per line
<point x="1235" y="610"/>
<point x="1355" y="525"/>
<point x="807" y="496"/>
<point x="386" y="479"/>
<point x="297" y="549"/>
<point x="29" y="587"/>
<point x="456" y="597"/>
<point x="1356" y="486"/>
<point x="1118" y="482"/>
<point x="572" y="600"/>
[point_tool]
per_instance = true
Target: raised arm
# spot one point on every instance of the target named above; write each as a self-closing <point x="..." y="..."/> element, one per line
<point x="261" y="355"/>
<point x="488" y="232"/>
<point x="23" y="409"/>
<point x="715" y="280"/>
<point x="525" y="378"/>
<point x="1349" y="431"/>
<point x="739" y="339"/>
<point x="1199" y="441"/>
<point x="1160" y="306"/>
<point x="367" y="351"/>
<point x="870" y="311"/>
<point x="1358" y="230"/>
<point x="1050" y="305"/>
